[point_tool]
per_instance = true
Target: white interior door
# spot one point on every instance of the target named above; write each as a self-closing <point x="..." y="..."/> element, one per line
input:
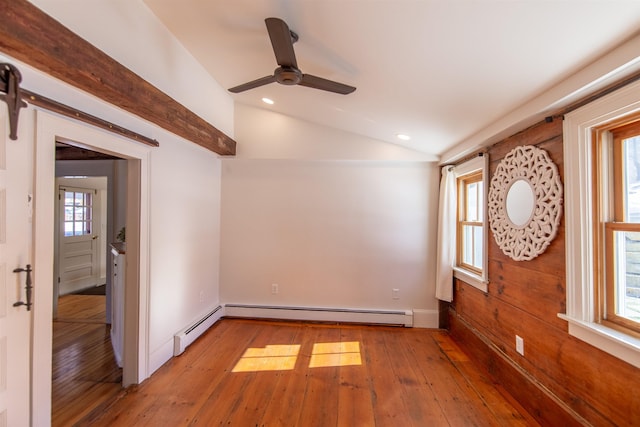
<point x="15" y="236"/>
<point x="79" y="261"/>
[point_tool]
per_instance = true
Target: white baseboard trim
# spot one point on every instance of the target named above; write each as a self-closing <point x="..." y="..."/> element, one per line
<point x="160" y="356"/>
<point x="426" y="319"/>
<point x="321" y="314"/>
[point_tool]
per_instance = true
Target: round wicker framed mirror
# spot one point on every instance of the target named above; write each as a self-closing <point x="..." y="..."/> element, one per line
<point x="525" y="203"/>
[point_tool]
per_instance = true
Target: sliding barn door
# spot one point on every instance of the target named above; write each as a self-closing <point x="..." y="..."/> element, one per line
<point x="15" y="257"/>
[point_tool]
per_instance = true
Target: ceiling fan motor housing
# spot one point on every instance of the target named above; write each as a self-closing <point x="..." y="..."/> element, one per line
<point x="288" y="75"/>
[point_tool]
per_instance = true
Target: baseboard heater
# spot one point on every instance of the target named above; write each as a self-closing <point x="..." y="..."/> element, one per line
<point x="188" y="335"/>
<point x="319" y="314"/>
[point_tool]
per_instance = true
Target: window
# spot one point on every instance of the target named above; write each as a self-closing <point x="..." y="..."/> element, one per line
<point x="617" y="183"/>
<point x="470" y="222"/>
<point x="601" y="222"/>
<point x="77" y="213"/>
<point x="471" y="230"/>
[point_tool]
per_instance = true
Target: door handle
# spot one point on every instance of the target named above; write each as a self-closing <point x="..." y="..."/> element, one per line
<point x="28" y="287"/>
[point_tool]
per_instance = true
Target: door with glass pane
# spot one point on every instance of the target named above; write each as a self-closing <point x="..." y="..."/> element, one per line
<point x="79" y="265"/>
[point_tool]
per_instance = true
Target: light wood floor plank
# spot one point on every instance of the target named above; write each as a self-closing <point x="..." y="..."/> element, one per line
<point x="289" y="392"/>
<point x="355" y="406"/>
<point x="419" y="397"/>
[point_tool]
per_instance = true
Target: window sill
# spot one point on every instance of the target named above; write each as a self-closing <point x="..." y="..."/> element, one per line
<point x="474" y="280"/>
<point x="612" y="341"/>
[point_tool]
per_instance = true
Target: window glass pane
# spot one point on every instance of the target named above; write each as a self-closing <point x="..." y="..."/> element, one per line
<point x="472" y="202"/>
<point x="627" y="273"/>
<point x="467" y="244"/>
<point x="632" y="178"/>
<point x="78" y="214"/>
<point x="472" y="245"/>
<point x="477" y="247"/>
<point x="480" y="201"/>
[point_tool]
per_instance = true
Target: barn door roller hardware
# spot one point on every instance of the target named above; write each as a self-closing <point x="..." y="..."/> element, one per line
<point x="10" y="79"/>
<point x="12" y="94"/>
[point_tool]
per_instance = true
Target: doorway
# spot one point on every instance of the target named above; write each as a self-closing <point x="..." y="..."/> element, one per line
<point x="51" y="129"/>
<point x="85" y="369"/>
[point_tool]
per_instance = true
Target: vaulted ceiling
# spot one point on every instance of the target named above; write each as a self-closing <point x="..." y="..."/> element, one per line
<point x="437" y="70"/>
<point x="444" y="72"/>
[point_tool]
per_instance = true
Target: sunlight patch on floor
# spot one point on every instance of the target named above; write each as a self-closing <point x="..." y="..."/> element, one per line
<point x="269" y="358"/>
<point x="284" y="357"/>
<point x="335" y="354"/>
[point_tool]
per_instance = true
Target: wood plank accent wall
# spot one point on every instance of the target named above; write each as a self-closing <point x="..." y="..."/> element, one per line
<point x="35" y="38"/>
<point x="560" y="380"/>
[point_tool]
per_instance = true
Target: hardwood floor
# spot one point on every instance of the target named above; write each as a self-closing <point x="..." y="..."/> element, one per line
<point x="258" y="373"/>
<point x="85" y="375"/>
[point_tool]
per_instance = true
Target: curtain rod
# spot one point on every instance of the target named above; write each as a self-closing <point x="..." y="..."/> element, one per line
<point x="465" y="159"/>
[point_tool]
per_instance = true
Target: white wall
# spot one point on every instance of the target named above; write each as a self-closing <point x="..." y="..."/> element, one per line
<point x="330" y="232"/>
<point x="262" y="134"/>
<point x="185" y="240"/>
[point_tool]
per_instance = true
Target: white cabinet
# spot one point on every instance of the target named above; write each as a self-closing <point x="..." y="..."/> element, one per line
<point x="117" y="299"/>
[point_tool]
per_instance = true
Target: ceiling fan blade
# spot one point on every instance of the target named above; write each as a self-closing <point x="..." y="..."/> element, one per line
<point x="255" y="83"/>
<point x="282" y="42"/>
<point x="315" y="82"/>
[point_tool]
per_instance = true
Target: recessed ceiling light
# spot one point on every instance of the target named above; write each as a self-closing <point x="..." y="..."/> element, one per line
<point x="403" y="137"/>
<point x="267" y="101"/>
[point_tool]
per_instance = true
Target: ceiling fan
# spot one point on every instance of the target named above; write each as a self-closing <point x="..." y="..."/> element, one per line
<point x="288" y="73"/>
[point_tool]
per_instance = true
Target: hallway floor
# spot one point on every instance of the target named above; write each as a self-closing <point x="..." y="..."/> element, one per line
<point x="85" y="374"/>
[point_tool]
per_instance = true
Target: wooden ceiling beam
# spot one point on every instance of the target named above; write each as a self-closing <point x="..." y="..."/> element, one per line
<point x="33" y="37"/>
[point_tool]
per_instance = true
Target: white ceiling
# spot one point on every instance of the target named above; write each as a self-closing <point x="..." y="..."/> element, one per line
<point x="438" y="70"/>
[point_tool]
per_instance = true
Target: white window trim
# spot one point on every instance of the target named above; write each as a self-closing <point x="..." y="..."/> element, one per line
<point x="578" y="169"/>
<point x="476" y="280"/>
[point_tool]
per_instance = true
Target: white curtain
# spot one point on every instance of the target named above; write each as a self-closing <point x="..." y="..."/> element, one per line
<point x="446" y="252"/>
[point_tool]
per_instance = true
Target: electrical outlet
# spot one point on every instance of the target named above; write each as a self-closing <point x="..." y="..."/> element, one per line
<point x="395" y="293"/>
<point x="520" y="345"/>
<point x="274" y="288"/>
